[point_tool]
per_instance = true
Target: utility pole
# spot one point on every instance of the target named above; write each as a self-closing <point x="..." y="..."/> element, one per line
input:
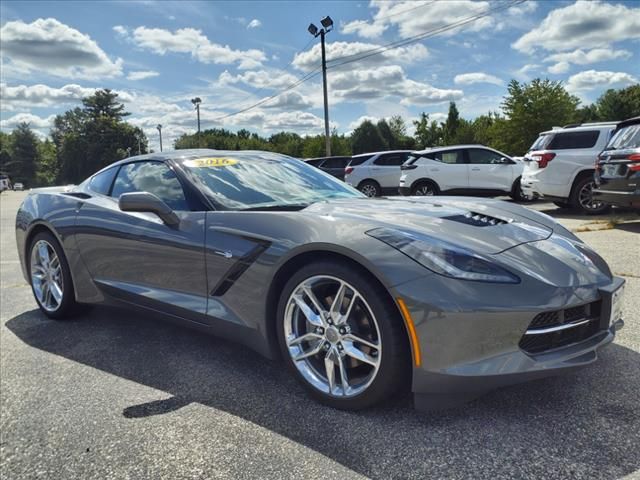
<point x="197" y="101"/>
<point x="139" y="149"/>
<point x="327" y="26"/>
<point x="159" y="127"/>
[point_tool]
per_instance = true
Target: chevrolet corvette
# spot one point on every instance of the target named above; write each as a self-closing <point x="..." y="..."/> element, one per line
<point x="361" y="297"/>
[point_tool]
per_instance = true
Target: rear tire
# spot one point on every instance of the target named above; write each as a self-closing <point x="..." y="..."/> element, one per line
<point x="370" y="188"/>
<point x="50" y="277"/>
<point x="369" y="315"/>
<point x="582" y="197"/>
<point x="518" y="194"/>
<point x="425" y="188"/>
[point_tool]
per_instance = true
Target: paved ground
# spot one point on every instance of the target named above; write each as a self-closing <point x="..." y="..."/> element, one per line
<point x="117" y="395"/>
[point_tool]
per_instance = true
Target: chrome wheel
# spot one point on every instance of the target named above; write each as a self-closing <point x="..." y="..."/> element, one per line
<point x="332" y="336"/>
<point x="46" y="276"/>
<point x="585" y="198"/>
<point x="369" y="190"/>
<point x="425" y="190"/>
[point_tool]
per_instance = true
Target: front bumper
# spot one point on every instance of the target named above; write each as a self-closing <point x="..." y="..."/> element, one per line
<point x="470" y="345"/>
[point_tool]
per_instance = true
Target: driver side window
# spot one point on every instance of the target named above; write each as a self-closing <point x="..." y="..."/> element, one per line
<point x="152" y="177"/>
<point x="479" y="156"/>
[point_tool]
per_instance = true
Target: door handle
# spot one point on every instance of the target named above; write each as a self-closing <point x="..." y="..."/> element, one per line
<point x="476" y="169"/>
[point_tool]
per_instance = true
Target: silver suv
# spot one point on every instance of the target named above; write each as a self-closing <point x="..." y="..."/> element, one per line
<point x="376" y="174"/>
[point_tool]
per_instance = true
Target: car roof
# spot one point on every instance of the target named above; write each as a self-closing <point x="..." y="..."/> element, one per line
<point x="627" y="122"/>
<point x="451" y="147"/>
<point x="378" y="153"/>
<point x="582" y="127"/>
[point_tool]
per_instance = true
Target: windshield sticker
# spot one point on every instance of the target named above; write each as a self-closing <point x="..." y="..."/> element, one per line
<point x="210" y="162"/>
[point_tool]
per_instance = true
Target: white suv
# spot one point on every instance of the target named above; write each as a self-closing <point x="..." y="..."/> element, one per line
<point x="560" y="165"/>
<point x="376" y="174"/>
<point x="467" y="169"/>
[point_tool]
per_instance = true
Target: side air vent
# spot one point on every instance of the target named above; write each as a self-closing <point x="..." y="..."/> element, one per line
<point x="478" y="219"/>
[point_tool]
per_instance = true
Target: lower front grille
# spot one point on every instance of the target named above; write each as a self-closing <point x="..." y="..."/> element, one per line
<point x="549" y="330"/>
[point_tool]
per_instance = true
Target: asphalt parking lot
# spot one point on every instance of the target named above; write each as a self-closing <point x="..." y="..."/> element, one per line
<point x="115" y="394"/>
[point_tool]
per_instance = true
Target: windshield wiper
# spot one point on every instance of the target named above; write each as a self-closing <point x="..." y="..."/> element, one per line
<point x="292" y="207"/>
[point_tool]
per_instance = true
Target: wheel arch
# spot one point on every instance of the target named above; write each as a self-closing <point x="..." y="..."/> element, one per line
<point x="293" y="264"/>
<point x="369" y="179"/>
<point x="587" y="172"/>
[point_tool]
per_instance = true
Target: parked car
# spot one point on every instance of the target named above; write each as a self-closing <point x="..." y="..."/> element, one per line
<point x="18" y="187"/>
<point x="5" y="183"/>
<point x="617" y="174"/>
<point x="560" y="165"/>
<point x="376" y="174"/>
<point x="332" y="165"/>
<point x="463" y="169"/>
<point x="359" y="297"/>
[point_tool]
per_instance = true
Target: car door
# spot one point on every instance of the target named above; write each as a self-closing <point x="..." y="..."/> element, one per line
<point x="335" y="166"/>
<point x="134" y="256"/>
<point x="490" y="170"/>
<point x="385" y="169"/>
<point x="448" y="169"/>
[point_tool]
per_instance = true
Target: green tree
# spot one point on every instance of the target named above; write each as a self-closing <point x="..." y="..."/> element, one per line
<point x="366" y="138"/>
<point x="619" y="104"/>
<point x="428" y="132"/>
<point x="89" y="138"/>
<point x="532" y="108"/>
<point x="450" y="126"/>
<point x="47" y="172"/>
<point x="24" y="155"/>
<point x="389" y="139"/>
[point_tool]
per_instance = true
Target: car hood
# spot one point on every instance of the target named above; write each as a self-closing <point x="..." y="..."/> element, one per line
<point x="484" y="226"/>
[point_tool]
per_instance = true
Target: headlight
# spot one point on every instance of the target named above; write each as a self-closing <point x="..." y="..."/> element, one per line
<point x="444" y="258"/>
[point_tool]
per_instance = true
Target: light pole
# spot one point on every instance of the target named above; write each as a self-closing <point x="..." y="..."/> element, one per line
<point x="159" y="127"/>
<point x="196" y="102"/>
<point x="327" y="26"/>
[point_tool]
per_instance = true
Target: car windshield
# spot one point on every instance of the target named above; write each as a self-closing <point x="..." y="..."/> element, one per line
<point x="627" y="137"/>
<point x="264" y="181"/>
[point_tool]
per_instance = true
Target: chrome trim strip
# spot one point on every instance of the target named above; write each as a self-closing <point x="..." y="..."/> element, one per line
<point x="540" y="331"/>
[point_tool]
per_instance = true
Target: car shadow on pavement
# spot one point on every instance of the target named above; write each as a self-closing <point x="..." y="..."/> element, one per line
<point x="585" y="424"/>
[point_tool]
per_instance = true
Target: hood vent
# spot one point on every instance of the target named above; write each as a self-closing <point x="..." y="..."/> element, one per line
<point x="478" y="219"/>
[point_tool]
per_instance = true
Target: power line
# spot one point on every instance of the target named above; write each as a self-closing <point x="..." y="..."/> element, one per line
<point x="374" y="51"/>
<point x="421" y="36"/>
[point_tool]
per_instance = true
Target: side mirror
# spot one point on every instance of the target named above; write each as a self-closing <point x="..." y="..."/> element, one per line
<point x="505" y="161"/>
<point x="148" y="202"/>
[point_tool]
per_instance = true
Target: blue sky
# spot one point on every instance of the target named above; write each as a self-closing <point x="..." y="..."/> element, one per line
<point x="158" y="55"/>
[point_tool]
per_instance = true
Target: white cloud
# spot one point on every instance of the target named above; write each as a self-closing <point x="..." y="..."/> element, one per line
<point x="273" y="79"/>
<point x="55" y="48"/>
<point x="28" y="96"/>
<point x="477" y="77"/>
<point x="413" y="18"/>
<point x="559" y="68"/>
<point x="582" y="57"/>
<point x="584" y="24"/>
<point x="309" y="60"/>
<point x="590" y="79"/>
<point x="121" y="30"/>
<point x="142" y="74"/>
<point x="289" y="101"/>
<point x="34" y="121"/>
<point x="522" y="9"/>
<point x="356" y="123"/>
<point x="524" y="73"/>
<point x="255" y="23"/>
<point x="194" y="42"/>
<point x="387" y="81"/>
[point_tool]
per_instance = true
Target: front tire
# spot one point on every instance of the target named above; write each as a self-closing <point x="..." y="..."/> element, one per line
<point x="50" y="277"/>
<point x="342" y="336"/>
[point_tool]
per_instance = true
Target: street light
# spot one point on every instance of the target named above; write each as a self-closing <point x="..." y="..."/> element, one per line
<point x="196" y="102"/>
<point x="159" y="127"/>
<point x="327" y="26"/>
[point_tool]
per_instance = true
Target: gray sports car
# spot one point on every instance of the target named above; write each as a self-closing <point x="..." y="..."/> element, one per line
<point x="362" y="297"/>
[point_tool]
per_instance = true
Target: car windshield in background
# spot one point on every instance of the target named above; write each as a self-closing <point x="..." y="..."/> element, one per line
<point x="264" y="182"/>
<point x="627" y="137"/>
